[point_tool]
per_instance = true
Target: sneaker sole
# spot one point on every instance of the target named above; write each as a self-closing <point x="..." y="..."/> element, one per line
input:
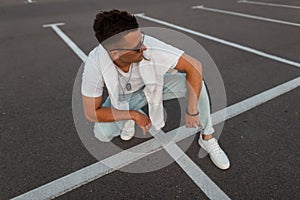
<point x="126" y="138"/>
<point x="223" y="167"/>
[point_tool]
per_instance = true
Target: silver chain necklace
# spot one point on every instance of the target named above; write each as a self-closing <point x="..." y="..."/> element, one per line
<point x="128" y="85"/>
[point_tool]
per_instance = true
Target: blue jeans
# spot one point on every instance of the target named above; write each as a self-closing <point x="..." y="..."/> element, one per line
<point x="174" y="87"/>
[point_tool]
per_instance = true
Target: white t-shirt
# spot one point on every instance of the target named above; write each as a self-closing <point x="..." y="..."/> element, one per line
<point x="92" y="78"/>
<point x="134" y="79"/>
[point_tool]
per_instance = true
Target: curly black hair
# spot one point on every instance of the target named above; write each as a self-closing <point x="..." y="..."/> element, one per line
<point x="110" y="23"/>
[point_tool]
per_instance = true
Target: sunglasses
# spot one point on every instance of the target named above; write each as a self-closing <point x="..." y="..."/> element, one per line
<point x="138" y="48"/>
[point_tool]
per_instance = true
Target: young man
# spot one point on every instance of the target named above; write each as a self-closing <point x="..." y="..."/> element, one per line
<point x="134" y="67"/>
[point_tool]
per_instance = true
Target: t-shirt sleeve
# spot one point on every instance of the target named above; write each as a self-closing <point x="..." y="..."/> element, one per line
<point x="164" y="54"/>
<point x="92" y="80"/>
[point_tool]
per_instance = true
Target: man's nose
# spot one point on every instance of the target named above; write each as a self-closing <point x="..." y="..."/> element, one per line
<point x="143" y="48"/>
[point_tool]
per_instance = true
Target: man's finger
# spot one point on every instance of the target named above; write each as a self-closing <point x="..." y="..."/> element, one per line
<point x="148" y="126"/>
<point x="198" y="123"/>
<point x="188" y="125"/>
<point x="144" y="130"/>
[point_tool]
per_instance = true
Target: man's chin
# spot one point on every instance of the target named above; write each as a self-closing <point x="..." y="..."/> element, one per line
<point x="140" y="58"/>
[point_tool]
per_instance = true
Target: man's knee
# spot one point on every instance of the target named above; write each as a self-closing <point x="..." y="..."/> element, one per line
<point x="174" y="86"/>
<point x="105" y="132"/>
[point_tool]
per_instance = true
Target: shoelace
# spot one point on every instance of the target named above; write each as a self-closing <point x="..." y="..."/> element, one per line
<point x="215" y="148"/>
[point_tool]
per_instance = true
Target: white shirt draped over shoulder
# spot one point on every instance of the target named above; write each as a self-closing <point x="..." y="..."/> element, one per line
<point x="99" y="69"/>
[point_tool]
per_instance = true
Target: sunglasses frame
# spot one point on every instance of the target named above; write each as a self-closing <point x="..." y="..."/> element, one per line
<point x="137" y="49"/>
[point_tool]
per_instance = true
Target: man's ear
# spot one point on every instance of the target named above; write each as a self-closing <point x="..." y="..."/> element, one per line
<point x="114" y="55"/>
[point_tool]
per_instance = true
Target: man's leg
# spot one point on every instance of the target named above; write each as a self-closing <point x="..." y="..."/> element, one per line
<point x="205" y="113"/>
<point x="175" y="87"/>
<point x="206" y="140"/>
<point x="106" y="131"/>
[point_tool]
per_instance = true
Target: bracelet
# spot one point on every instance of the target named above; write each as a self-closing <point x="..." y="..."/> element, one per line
<point x="193" y="115"/>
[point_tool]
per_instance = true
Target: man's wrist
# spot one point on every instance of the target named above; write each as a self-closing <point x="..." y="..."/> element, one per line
<point x="191" y="108"/>
<point x="132" y="114"/>
<point x="193" y="114"/>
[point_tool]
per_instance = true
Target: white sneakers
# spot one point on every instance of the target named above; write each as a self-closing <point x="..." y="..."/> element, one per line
<point x="216" y="154"/>
<point x="128" y="130"/>
<point x="211" y="146"/>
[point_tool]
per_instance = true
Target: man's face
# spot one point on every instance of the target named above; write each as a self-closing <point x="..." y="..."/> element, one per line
<point x="130" y="48"/>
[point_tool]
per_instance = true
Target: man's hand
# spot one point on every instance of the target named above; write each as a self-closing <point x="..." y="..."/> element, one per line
<point x="191" y="121"/>
<point x="142" y="120"/>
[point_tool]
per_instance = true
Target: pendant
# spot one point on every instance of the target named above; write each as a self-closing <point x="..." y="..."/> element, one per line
<point x="128" y="86"/>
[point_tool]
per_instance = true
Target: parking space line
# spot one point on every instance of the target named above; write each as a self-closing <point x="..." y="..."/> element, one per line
<point x="90" y="173"/>
<point x="246" y="15"/>
<point x="261" y="98"/>
<point x="65" y="38"/>
<point x="30" y="1"/>
<point x="268" y="4"/>
<point x="196" y="174"/>
<point x="210" y="189"/>
<point x="124" y="158"/>
<point x="222" y="41"/>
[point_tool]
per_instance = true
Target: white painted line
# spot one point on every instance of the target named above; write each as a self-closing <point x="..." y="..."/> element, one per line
<point x="210" y="189"/>
<point x="54" y="24"/>
<point x="235" y="45"/>
<point x="246" y="16"/>
<point x="269" y="4"/>
<point x="99" y="169"/>
<point x="259" y="99"/>
<point x="90" y="173"/>
<point x="241" y="107"/>
<point x="58" y="187"/>
<point x="65" y="38"/>
<point x="30" y="1"/>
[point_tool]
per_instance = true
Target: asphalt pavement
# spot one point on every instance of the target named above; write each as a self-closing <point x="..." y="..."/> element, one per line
<point x="39" y="142"/>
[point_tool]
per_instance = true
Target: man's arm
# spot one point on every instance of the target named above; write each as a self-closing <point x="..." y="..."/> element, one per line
<point x="95" y="113"/>
<point x="193" y="70"/>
